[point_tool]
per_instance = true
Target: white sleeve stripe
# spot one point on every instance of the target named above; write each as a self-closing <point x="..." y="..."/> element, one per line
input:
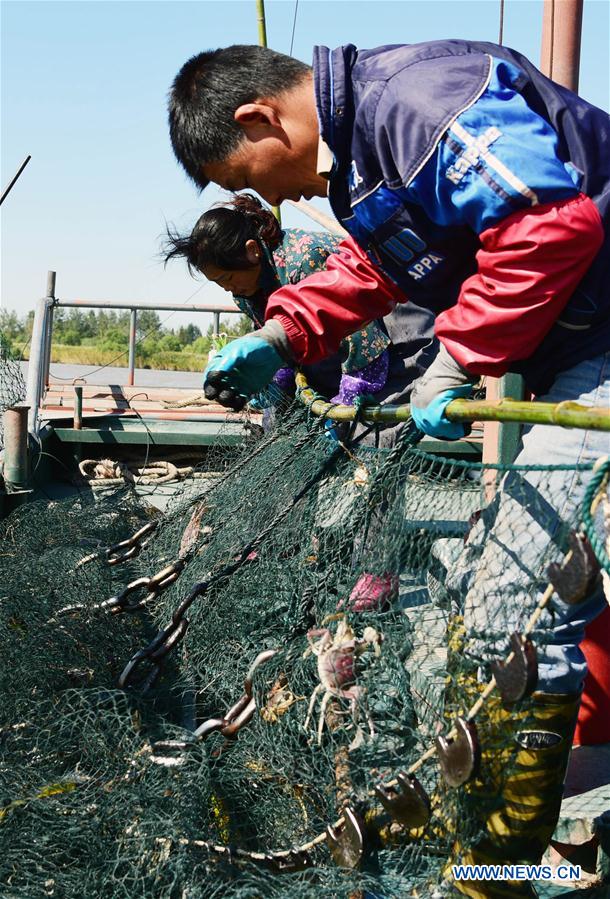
<point x="494" y="163"/>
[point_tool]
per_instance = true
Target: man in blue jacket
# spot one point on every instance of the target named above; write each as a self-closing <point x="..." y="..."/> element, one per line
<point x="480" y="189"/>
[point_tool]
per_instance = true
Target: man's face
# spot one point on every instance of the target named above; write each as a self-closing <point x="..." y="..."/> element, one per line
<point x="278" y="154"/>
<point x="270" y="168"/>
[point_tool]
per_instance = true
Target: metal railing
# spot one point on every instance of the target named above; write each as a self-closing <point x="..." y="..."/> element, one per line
<point x="42" y="336"/>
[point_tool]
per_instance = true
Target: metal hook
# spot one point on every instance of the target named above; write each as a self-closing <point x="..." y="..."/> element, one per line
<point x="261" y="658"/>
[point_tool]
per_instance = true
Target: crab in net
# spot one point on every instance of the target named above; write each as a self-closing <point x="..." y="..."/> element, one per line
<point x="337" y="655"/>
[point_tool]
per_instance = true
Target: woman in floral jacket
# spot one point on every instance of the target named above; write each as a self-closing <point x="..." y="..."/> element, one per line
<point x="242" y="247"/>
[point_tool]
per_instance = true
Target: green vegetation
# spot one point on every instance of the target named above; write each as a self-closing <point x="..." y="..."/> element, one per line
<point x="89" y="337"/>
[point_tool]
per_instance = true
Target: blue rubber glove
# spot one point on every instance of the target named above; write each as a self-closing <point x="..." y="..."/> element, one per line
<point x="243" y="367"/>
<point x="443" y="382"/>
<point x="330" y="430"/>
<point x="431" y="419"/>
<point x="269" y="398"/>
<point x="257" y="403"/>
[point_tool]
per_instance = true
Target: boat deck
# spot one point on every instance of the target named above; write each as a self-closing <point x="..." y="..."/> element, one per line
<point x="115" y="413"/>
<point x="167" y="403"/>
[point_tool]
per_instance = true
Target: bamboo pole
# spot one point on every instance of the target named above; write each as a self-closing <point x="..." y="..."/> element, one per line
<point x="320" y="217"/>
<point x="262" y="40"/>
<point x="564" y="415"/>
<point x="262" y="25"/>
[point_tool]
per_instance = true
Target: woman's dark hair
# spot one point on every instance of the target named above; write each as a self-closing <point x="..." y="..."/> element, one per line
<point x="220" y="234"/>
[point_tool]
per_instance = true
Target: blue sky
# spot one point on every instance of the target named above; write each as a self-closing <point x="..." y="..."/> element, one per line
<point x="83" y="90"/>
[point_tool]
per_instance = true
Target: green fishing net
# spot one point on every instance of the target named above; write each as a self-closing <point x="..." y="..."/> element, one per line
<point x="294" y="625"/>
<point x="12" y="386"/>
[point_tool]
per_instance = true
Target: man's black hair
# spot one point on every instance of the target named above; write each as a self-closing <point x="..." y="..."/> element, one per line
<point x="210" y="87"/>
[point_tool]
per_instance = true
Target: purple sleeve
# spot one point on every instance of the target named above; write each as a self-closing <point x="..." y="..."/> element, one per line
<point x="369" y="379"/>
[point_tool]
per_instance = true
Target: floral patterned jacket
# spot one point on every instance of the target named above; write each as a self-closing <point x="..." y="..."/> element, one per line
<point x="300" y="254"/>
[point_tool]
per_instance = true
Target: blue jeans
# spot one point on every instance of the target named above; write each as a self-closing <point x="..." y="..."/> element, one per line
<point x="525" y="528"/>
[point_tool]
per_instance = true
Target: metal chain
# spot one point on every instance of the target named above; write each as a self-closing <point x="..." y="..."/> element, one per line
<point x="229" y="725"/>
<point x="152" y="587"/>
<point x="125" y="550"/>
<point x="164" y="642"/>
<point x="134" y="544"/>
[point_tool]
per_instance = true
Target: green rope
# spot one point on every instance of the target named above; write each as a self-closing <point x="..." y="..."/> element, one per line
<point x="503" y="466"/>
<point x="600" y="472"/>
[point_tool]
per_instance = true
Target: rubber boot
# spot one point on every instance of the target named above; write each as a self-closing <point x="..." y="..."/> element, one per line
<point x="510" y="809"/>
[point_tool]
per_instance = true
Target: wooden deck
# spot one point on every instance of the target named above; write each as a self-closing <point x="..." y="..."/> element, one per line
<point x="116" y="399"/>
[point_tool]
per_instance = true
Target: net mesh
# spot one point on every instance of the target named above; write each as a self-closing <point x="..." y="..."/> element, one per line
<point x="333" y="597"/>
<point x="12" y="385"/>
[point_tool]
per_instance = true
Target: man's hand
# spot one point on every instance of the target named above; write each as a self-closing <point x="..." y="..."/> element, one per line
<point x="243" y="367"/>
<point x="444" y="381"/>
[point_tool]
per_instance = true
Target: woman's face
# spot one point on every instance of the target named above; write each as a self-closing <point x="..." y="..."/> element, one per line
<point x="242" y="282"/>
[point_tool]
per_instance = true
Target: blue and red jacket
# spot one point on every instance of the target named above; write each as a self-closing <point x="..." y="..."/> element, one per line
<point x="479" y="188"/>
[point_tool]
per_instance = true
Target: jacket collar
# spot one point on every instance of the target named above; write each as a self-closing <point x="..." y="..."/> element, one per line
<point x="334" y="99"/>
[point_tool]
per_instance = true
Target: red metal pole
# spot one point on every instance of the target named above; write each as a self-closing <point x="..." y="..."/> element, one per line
<point x="561" y="35"/>
<point x="133" y="326"/>
<point x="560" y="59"/>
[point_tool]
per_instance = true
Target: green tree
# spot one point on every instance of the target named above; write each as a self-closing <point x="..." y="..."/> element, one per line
<point x="148" y="323"/>
<point x="91" y="323"/>
<point x="202" y="346"/>
<point x="169" y="342"/>
<point x="11" y="325"/>
<point x="188" y="334"/>
<point x="71" y="337"/>
<point x="114" y="338"/>
<point x="103" y="322"/>
<point x="234" y="326"/>
<point x="79" y="322"/>
<point x="59" y="325"/>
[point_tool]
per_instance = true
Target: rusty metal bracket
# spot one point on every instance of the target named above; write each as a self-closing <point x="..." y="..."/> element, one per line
<point x="346" y="842"/>
<point x="408" y="803"/>
<point x="574" y="579"/>
<point x="518" y="675"/>
<point x="459" y="757"/>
